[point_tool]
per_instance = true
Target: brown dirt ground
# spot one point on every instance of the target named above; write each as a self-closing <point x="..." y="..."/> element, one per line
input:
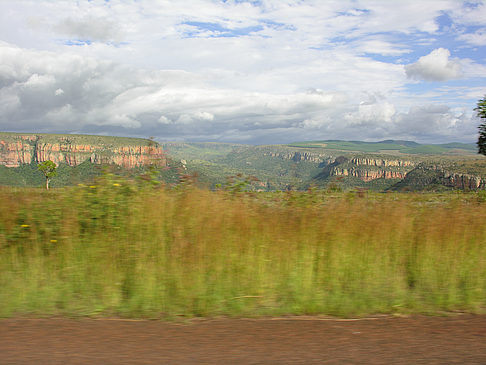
<point x="458" y="339"/>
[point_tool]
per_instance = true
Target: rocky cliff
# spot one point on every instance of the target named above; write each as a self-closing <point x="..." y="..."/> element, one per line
<point x="17" y="149"/>
<point x="368" y="161"/>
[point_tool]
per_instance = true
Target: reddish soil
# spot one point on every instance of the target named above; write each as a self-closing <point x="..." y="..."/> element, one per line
<point x="299" y="340"/>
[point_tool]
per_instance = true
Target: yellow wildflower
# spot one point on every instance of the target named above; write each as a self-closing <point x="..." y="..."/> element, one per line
<point x="116" y="184"/>
<point x="24" y="225"/>
<point x="53" y="241"/>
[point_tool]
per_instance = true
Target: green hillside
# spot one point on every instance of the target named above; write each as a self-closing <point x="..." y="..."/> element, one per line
<point x="275" y="167"/>
<point x="406" y="147"/>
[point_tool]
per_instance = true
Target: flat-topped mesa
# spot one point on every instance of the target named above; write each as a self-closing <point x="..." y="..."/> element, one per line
<point x="18" y="149"/>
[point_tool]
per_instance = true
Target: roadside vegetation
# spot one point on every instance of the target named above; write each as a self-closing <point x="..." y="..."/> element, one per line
<point x="134" y="248"/>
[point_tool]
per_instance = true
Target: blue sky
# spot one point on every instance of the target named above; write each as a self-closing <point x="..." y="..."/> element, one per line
<point x="269" y="71"/>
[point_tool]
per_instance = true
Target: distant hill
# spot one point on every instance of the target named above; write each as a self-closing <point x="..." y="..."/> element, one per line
<point x="406" y="147"/>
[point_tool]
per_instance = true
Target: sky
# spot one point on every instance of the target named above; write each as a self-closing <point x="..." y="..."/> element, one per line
<point x="257" y="72"/>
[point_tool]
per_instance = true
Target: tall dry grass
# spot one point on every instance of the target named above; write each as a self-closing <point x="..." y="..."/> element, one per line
<point x="121" y="249"/>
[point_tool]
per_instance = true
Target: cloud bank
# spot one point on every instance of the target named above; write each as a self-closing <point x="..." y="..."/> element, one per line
<point x="41" y="91"/>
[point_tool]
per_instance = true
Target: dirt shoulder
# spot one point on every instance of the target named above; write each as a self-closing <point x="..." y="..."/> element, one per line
<point x="298" y="340"/>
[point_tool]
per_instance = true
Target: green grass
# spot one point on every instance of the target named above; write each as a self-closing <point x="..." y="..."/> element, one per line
<point x="120" y="248"/>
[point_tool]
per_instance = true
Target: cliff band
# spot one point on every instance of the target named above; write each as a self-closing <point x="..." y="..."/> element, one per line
<point x="18" y="149"/>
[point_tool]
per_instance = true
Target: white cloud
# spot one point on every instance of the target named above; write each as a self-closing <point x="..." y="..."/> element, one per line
<point x="472" y="69"/>
<point x="473" y="13"/>
<point x="382" y="111"/>
<point x="36" y="80"/>
<point x="121" y="120"/>
<point x="164" y="120"/>
<point x="433" y="121"/>
<point x="63" y="114"/>
<point x="9" y="102"/>
<point x="435" y="66"/>
<point x="380" y="46"/>
<point x="477" y="38"/>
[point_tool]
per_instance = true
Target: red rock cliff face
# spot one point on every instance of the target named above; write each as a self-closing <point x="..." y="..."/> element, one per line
<point x="27" y="148"/>
<point x="465" y="181"/>
<point x="367" y="175"/>
<point x="368" y="169"/>
<point x="15" y="154"/>
<point x="380" y="162"/>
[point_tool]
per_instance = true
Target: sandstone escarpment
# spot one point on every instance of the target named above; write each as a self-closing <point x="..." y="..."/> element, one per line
<point x="15" y="154"/>
<point x="367" y="175"/>
<point x="360" y="161"/>
<point x="367" y="168"/>
<point x="19" y="149"/>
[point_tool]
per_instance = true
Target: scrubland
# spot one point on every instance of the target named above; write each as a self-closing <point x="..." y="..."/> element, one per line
<point x="136" y="249"/>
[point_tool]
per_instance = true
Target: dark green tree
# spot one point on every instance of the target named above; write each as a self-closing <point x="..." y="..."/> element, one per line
<point x="481" y="113"/>
<point x="49" y="170"/>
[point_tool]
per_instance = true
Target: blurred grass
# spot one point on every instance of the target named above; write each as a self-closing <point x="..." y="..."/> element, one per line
<point x="120" y="248"/>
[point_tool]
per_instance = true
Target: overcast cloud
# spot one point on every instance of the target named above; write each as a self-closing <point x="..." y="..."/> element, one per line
<point x="250" y="72"/>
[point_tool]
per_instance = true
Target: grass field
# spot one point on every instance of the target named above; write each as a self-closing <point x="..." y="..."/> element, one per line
<point x="121" y="248"/>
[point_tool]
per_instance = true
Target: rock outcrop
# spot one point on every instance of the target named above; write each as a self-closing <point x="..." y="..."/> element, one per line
<point x="18" y="149"/>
